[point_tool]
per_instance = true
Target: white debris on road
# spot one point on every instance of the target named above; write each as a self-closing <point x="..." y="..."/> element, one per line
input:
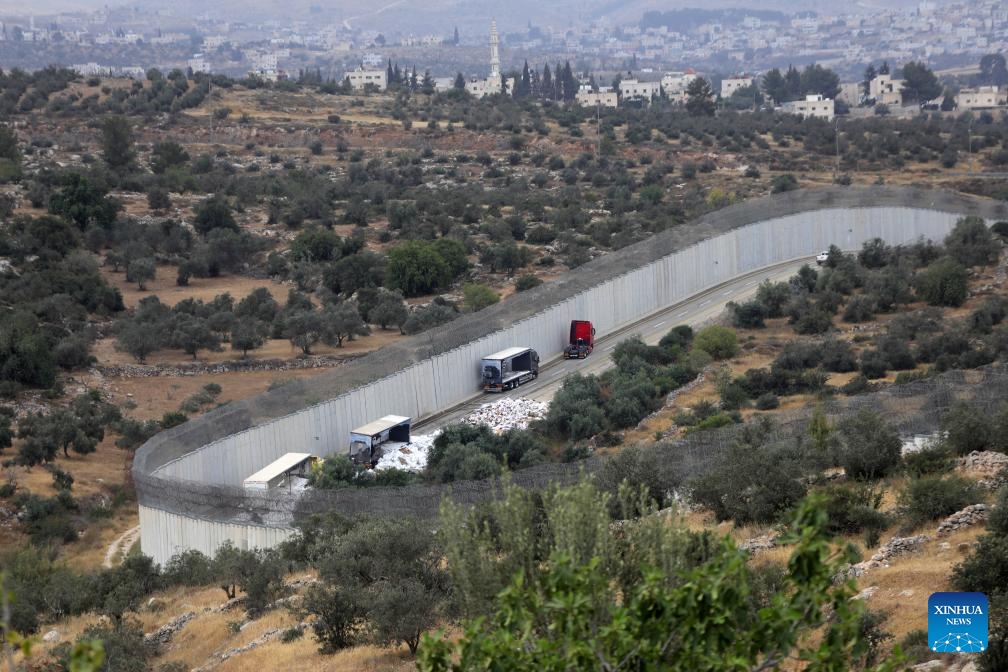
<point x="501" y="415"/>
<point x="508" y="413"/>
<point x="408" y="457"/>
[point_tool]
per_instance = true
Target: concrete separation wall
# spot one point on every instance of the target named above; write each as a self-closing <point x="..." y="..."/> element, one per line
<point x="423" y="375"/>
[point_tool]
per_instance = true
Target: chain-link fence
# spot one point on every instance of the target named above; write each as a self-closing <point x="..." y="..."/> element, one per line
<point x="914" y="409"/>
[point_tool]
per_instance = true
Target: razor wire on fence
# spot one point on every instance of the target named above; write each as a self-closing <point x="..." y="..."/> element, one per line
<point x="915" y="408"/>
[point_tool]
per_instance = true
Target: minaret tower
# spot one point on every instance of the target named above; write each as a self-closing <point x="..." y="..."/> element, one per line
<point x="494" y="54"/>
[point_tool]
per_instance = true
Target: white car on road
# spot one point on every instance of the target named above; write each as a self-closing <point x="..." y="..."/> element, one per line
<point x="822" y="257"/>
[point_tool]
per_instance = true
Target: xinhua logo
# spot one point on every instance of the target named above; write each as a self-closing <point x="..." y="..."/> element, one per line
<point x="957" y="622"/>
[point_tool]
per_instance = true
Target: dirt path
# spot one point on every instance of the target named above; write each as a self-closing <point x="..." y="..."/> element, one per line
<point x="118" y="549"/>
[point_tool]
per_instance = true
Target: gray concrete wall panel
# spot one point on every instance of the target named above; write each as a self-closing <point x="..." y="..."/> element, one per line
<point x="446" y="378"/>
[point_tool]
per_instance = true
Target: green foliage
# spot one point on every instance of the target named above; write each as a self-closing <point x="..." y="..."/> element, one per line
<point x="248" y="333"/>
<point x="338" y="616"/>
<point x="575" y="412"/>
<point x="415" y="267"/>
<point x="526" y="282"/>
<point x="933" y="458"/>
<point x="943" y="283"/>
<point x="478" y="296"/>
<point x="334" y="472"/>
<point x="141" y="271"/>
<point x="718" y="342"/>
<point x="25" y="356"/>
<point x="933" y="497"/>
<point x="121" y="644"/>
<point x="853" y="508"/>
<point x="341" y="321"/>
<point x="971" y="243"/>
<point x="869" y="448"/>
<point x="965" y="429"/>
<point x="748" y="315"/>
<point x="751" y="485"/>
<point x="566" y="616"/>
<point x="81" y="201"/>
<point x="214" y="213"/>
<point x="393" y="571"/>
<point x="117" y="142"/>
<point x="782" y="183"/>
<point x="428" y="317"/>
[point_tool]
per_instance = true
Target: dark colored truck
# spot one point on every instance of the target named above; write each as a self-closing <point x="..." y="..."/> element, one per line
<point x="509" y="368"/>
<point x="582" y="340"/>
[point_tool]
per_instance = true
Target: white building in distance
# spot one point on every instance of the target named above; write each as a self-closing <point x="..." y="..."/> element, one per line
<point x="813" y="106"/>
<point x="360" y="78"/>
<point x="980" y="98"/>
<point x="633" y="89"/>
<point x="604" y="97"/>
<point x="885" y="90"/>
<point x="730" y="85"/>
<point x="674" y="85"/>
<point x="198" y="64"/>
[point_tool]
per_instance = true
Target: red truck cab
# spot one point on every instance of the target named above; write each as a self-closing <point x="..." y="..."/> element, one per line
<point x="582" y="340"/>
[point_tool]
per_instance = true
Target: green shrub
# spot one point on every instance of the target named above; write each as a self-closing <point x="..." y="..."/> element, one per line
<point x="860" y="308"/>
<point x="933" y="497"/>
<point x="720" y="419"/>
<point x="526" y="282"/>
<point x="767" y="401"/>
<point x="859" y="384"/>
<point x="748" y="315"/>
<point x="943" y="283"/>
<point x="931" y="459"/>
<point x="782" y="183"/>
<point x="750" y="485"/>
<point x="966" y="429"/>
<point x="874" y="364"/>
<point x="869" y="447"/>
<point x="852" y="508"/>
<point x="718" y="342"/>
<point x="917" y="646"/>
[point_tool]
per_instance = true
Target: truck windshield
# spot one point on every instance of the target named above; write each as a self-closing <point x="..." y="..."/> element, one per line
<point x="491" y="371"/>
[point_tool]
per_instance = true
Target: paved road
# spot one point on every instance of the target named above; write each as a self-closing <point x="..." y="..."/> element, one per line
<point x="695" y="310"/>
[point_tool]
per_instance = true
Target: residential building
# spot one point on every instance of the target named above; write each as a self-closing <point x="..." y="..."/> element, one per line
<point x="604" y="97"/>
<point x="198" y="64"/>
<point x="360" y="78"/>
<point x="674" y="85"/>
<point x="983" y="97"/>
<point x="885" y="90"/>
<point x="813" y="106"/>
<point x="730" y="85"/>
<point x="851" y="93"/>
<point x="633" y="89"/>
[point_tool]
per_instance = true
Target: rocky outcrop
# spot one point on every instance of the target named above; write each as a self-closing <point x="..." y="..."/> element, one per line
<point x="989" y="468"/>
<point x="971" y="515"/>
<point x="759" y="544"/>
<point x="164" y="634"/>
<point x="893" y="548"/>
